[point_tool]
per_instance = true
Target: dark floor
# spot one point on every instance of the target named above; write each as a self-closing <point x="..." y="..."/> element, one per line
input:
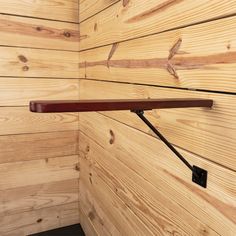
<point x="73" y="230"/>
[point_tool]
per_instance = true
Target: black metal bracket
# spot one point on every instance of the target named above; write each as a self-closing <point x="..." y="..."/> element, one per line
<point x="199" y="175"/>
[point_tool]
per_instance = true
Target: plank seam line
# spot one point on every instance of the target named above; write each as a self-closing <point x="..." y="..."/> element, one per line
<point x="164" y="31"/>
<point x="36" y="77"/>
<point x="161" y="86"/>
<point x="98" y="11"/>
<point x="38" y="18"/>
<point x="181" y="148"/>
<point x="36" y="48"/>
<point x="43" y="132"/>
<point x="40" y="132"/>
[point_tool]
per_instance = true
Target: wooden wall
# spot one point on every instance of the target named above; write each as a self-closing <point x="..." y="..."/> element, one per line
<point x="38" y="153"/>
<point x="130" y="183"/>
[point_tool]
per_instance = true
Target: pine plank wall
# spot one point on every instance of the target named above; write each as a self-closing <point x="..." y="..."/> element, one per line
<point x="38" y="153"/>
<point x="130" y="183"/>
<point x="113" y="176"/>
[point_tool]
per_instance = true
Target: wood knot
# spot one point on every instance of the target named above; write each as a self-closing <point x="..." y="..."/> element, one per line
<point x="95" y="27"/>
<point x="90" y="178"/>
<point x="25" y="68"/>
<point x="125" y="3"/>
<point x="87" y="148"/>
<point x="38" y="28"/>
<point x="112" y="139"/>
<point x="67" y="34"/>
<point x="39" y="220"/>
<point x="77" y="167"/>
<point x="22" y="58"/>
<point x="91" y="215"/>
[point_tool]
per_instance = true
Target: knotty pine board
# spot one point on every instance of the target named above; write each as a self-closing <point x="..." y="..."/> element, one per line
<point x="88" y="8"/>
<point x="199" y="57"/>
<point x="163" y="200"/>
<point x="109" y="217"/>
<point x="31" y="222"/>
<point x="26" y="173"/>
<point x="86" y="223"/>
<point x="37" y="33"/>
<point x="19" y="120"/>
<point x="209" y="133"/>
<point x="19" y="91"/>
<point x="35" y="197"/>
<point x="25" y="147"/>
<point x="136" y="19"/>
<point x="63" y="10"/>
<point x="25" y="62"/>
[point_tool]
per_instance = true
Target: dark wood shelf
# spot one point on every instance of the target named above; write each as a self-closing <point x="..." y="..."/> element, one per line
<point x="115" y="104"/>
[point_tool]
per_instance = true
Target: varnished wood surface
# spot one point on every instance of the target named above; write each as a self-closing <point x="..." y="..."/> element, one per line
<point x="135" y="19"/>
<point x="209" y="133"/>
<point x="88" y="8"/>
<point x="39" y="163"/>
<point x="27" y="223"/>
<point x="191" y="47"/>
<point x="158" y="182"/>
<point x="62" y="10"/>
<point x="198" y="57"/>
<point x="26" y="62"/>
<point x="119" y="104"/>
<point x="37" y="33"/>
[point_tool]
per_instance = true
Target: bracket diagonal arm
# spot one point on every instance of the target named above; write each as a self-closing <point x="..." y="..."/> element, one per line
<point x="199" y="176"/>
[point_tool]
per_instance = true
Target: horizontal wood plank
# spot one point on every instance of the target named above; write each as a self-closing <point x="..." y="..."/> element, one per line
<point x="45" y="219"/>
<point x="35" y="33"/>
<point x="35" y="197"/>
<point x="24" y="147"/>
<point x="64" y="10"/>
<point x="134" y="19"/>
<point x="110" y="217"/>
<point x="19" y="120"/>
<point x="26" y="173"/>
<point x="199" y="57"/>
<point x="86" y="224"/>
<point x="198" y="130"/>
<point x="23" y="62"/>
<point x="89" y="8"/>
<point x="19" y="91"/>
<point x="148" y="187"/>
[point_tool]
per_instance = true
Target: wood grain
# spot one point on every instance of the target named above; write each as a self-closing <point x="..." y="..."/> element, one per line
<point x="36" y="33"/>
<point x="86" y="224"/>
<point x="19" y="120"/>
<point x="25" y="147"/>
<point x="19" y="91"/>
<point x="110" y="217"/>
<point x="35" y="197"/>
<point x="136" y="19"/>
<point x="39" y="161"/>
<point x="200" y="57"/>
<point x="31" y="222"/>
<point x="89" y="8"/>
<point x="148" y="187"/>
<point x="63" y="10"/>
<point x="23" y="62"/>
<point x="26" y="173"/>
<point x="198" y="130"/>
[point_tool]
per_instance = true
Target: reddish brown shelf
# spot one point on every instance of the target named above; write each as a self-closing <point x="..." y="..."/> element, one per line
<point x="115" y="104"/>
